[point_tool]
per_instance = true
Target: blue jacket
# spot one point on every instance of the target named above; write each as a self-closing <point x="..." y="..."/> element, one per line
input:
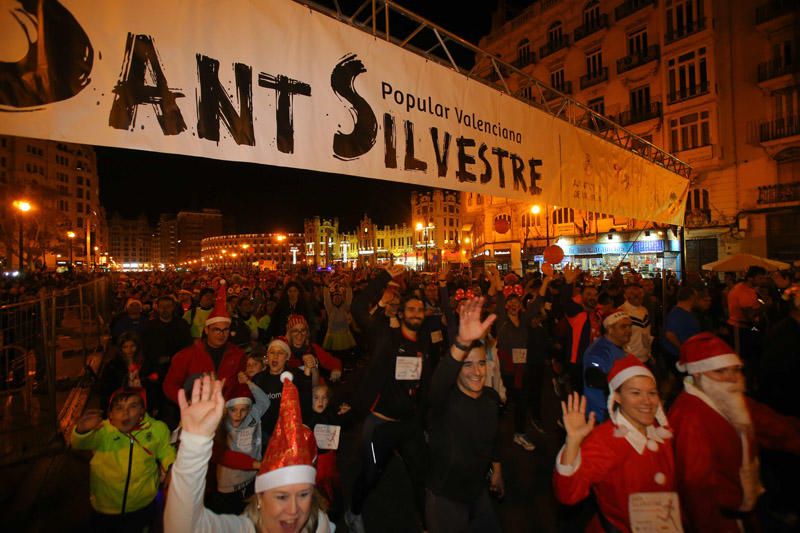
<point x="601" y="354"/>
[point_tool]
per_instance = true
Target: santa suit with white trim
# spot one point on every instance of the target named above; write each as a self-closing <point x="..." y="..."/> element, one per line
<point x="616" y="460"/>
<point x="716" y="447"/>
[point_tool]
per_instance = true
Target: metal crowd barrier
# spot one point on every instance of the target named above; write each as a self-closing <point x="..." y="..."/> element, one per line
<point x="50" y="347"/>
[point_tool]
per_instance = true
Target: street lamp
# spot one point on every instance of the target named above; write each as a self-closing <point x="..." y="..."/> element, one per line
<point x="23" y="206"/>
<point x="71" y="237"/>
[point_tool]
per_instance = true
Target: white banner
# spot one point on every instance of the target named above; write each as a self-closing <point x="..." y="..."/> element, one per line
<point x="273" y="82"/>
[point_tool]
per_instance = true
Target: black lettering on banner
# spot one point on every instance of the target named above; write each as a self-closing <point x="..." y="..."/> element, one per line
<point x="501" y="175"/>
<point x="131" y="91"/>
<point x="214" y="103"/>
<point x="486" y="177"/>
<point x="285" y="89"/>
<point x="389" y="142"/>
<point x="358" y="142"/>
<point x="441" y="153"/>
<point x="535" y="175"/>
<point x="464" y="159"/>
<point x="411" y="162"/>
<point x="517" y="166"/>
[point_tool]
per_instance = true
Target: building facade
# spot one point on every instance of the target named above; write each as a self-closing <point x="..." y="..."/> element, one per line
<point x="322" y="244"/>
<point x="191" y="227"/>
<point x="60" y="182"/>
<point x="272" y="251"/>
<point x="436" y="219"/>
<point x="368" y="244"/>
<point x="131" y="243"/>
<point x="715" y="83"/>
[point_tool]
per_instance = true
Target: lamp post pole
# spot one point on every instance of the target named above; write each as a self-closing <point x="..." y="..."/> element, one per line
<point x="22" y="206"/>
<point x="70" y="238"/>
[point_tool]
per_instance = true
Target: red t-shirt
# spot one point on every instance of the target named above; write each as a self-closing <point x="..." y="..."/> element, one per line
<point x="741" y="296"/>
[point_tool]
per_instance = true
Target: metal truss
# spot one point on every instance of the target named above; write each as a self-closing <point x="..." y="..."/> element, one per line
<point x="396" y="24"/>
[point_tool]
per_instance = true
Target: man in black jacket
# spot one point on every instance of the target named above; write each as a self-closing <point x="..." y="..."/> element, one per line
<point x="464" y="443"/>
<point x="164" y="336"/>
<point x="392" y="391"/>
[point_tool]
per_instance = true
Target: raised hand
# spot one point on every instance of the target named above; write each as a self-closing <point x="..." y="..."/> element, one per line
<point x="470" y="327"/>
<point x="243" y="378"/>
<point x="90" y="421"/>
<point x="575" y="423"/>
<point x="547" y="270"/>
<point x="204" y="414"/>
<point x="571" y="273"/>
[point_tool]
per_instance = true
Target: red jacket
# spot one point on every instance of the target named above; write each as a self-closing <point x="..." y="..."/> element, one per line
<point x="612" y="468"/>
<point x="708" y="452"/>
<point x="195" y="359"/>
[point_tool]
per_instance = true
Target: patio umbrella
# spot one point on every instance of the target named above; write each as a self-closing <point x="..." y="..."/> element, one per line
<point x="741" y="262"/>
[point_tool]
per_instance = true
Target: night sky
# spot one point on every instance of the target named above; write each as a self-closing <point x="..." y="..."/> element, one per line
<point x="267" y="198"/>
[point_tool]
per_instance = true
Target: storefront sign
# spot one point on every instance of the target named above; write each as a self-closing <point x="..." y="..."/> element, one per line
<point x="615" y="248"/>
<point x="281" y="84"/>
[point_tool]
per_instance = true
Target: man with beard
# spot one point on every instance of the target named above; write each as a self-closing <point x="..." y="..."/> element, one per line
<point x="718" y="432"/>
<point x="392" y="389"/>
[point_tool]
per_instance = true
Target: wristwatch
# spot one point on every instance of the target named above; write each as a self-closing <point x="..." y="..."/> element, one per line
<point x="462" y="347"/>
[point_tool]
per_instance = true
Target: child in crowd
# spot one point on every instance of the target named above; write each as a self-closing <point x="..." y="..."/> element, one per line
<point x="327" y="422"/>
<point x="278" y="353"/>
<point x="255" y="361"/>
<point x="131" y="455"/>
<point x="238" y="458"/>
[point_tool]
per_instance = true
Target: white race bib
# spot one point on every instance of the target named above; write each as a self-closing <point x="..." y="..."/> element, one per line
<point x="436" y="336"/>
<point x="327" y="436"/>
<point x="408" y="368"/>
<point x="655" y="512"/>
<point x="519" y="355"/>
<point x="244" y="439"/>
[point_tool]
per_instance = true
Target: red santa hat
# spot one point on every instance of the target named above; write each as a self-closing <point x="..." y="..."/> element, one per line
<point x="624" y="369"/>
<point x="292" y="449"/>
<point x="295" y="320"/>
<point x="614" y="317"/>
<point x="220" y="311"/>
<point x="705" y="352"/>
<point x="239" y="395"/>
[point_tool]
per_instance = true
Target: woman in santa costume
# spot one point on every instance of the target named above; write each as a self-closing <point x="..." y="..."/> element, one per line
<point x="626" y="461"/>
<point x="284" y="500"/>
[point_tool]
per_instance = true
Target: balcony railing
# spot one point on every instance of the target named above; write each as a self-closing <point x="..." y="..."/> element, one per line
<point x="629" y="7"/>
<point x="769" y="130"/>
<point x="783" y="192"/>
<point x="774" y="9"/>
<point x="633" y="116"/>
<point x="525" y="60"/>
<point x="686" y="93"/>
<point x="591" y="27"/>
<point x="776" y="68"/>
<point x="593" y="78"/>
<point x="630" y="62"/>
<point x="553" y="46"/>
<point x="566" y="88"/>
<point x="685" y="30"/>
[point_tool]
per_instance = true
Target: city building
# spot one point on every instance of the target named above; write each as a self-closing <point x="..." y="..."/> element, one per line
<point x="60" y="183"/>
<point x="436" y="220"/>
<point x="191" y="227"/>
<point x="271" y="251"/>
<point x="715" y="83"/>
<point x="322" y="244"/>
<point x="131" y="243"/>
<point x="165" y="240"/>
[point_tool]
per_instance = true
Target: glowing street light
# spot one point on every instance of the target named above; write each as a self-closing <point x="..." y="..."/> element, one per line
<point x="536" y="209"/>
<point x="281" y="238"/>
<point x="23" y="206"/>
<point x="71" y="237"/>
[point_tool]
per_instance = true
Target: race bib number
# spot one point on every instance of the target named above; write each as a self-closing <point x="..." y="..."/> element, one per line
<point x="436" y="337"/>
<point x="244" y="439"/>
<point x="327" y="436"/>
<point x="655" y="512"/>
<point x="519" y="355"/>
<point x="408" y="368"/>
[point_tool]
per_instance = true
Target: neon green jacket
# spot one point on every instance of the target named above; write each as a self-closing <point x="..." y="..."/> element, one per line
<point x="123" y="471"/>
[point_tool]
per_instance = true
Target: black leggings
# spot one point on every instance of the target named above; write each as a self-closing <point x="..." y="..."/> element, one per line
<point x="520" y="398"/>
<point x="381" y="439"/>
